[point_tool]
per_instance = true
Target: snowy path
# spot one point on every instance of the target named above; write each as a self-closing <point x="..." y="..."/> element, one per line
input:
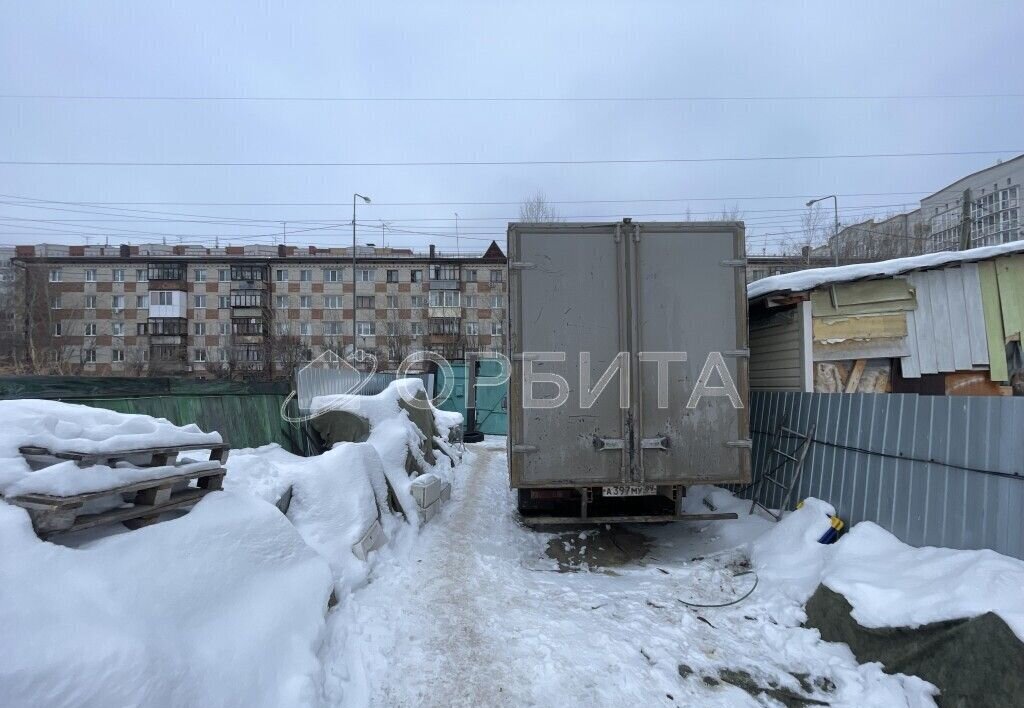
<point x="472" y="612"/>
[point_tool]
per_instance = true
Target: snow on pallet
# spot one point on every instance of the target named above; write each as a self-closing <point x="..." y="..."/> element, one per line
<point x="59" y="497"/>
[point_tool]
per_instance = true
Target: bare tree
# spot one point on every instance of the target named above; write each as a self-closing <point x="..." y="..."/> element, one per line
<point x="287" y="353"/>
<point x="537" y="209"/>
<point x="136" y="360"/>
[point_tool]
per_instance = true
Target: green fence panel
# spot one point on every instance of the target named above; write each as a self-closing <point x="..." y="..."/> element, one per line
<point x="491" y="401"/>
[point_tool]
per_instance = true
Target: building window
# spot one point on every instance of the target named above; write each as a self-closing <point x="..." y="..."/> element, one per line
<point x="200" y="274"/>
<point x="497" y="276"/>
<point x="332" y="302"/>
<point x="223" y="302"/>
<point x="365" y="275"/>
<point x="90" y="356"/>
<point x="445" y="298"/>
<point x="222" y="354"/>
<point x="444" y="326"/>
<point x="469" y="275"/>
<point x="141" y="329"/>
<point x="117" y="329"/>
<point x="282" y="301"/>
<point x="497" y="301"/>
<point x="90" y="275"/>
<point x="392" y="302"/>
<point x="392" y="329"/>
<point x="418" y="301"/>
<point x="495" y="327"/>
<point x="332" y="276"/>
<point x="55" y="275"/>
<point x="117" y="275"/>
<point x="445" y="272"/>
<point x="90" y="329"/>
<point x="223" y="328"/>
<point x="332" y="327"/>
<point x="248" y="326"/>
<point x="305" y="302"/>
<point x="469" y="301"/>
<point x="283" y="329"/>
<point x="305" y="276"/>
<point x="416" y="276"/>
<point x="57" y="329"/>
<point x="472" y="328"/>
<point x="365" y="302"/>
<point x="55" y="303"/>
<point x="166" y="271"/>
<point x="90" y="302"/>
<point x="199" y="328"/>
<point x="224" y="275"/>
<point x="392" y="276"/>
<point x="200" y="301"/>
<point x="282" y="275"/>
<point x="117" y="356"/>
<point x="246" y="273"/>
<point x="199" y="355"/>
<point x="117" y="303"/>
<point x="364" y="329"/>
<point x="142" y="302"/>
<point x="305" y="329"/>
<point x="416" y="329"/>
<point x="141" y="275"/>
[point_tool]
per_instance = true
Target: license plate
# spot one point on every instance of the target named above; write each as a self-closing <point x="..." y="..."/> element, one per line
<point x="630" y="490"/>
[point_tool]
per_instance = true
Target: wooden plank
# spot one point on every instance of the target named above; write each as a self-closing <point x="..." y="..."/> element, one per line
<point x="176" y="501"/>
<point x="882" y="348"/>
<point x="975" y="315"/>
<point x="823" y="307"/>
<point x="1010" y="276"/>
<point x="93" y="457"/>
<point x="942" y="327"/>
<point x="860" y="327"/>
<point x="48" y="500"/>
<point x="953" y="280"/>
<point x="927" y="359"/>
<point x="990" y="300"/>
<point x="910" y="366"/>
<point x="872" y="291"/>
<point x="855" y="374"/>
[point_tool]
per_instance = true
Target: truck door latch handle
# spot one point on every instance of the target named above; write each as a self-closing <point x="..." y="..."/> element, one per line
<point x="608" y="443"/>
<point x="662" y="443"/>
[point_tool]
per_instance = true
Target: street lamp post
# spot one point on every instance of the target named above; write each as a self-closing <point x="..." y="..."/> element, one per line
<point x="366" y="200"/>
<point x="835" y="226"/>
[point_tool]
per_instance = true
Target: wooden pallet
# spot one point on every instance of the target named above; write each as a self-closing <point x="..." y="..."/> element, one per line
<point x="62" y="514"/>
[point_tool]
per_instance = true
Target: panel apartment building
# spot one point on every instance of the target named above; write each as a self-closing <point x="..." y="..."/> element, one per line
<point x="254" y="310"/>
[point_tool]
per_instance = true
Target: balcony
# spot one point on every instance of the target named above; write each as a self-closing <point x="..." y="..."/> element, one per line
<point x="249" y="298"/>
<point x="249" y="277"/>
<point x="167" y="276"/>
<point x="444" y="284"/>
<point x="166" y="329"/>
<point x="168" y="358"/>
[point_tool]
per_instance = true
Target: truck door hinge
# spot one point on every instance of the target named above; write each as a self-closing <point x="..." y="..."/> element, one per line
<point x="662" y="443"/>
<point x="521" y="265"/>
<point x="734" y="263"/>
<point x="524" y="449"/>
<point x="748" y="443"/>
<point x="738" y="353"/>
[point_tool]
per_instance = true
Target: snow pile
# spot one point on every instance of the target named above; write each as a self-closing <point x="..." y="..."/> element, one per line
<point x="67" y="427"/>
<point x="395" y="436"/>
<point x="223" y="606"/>
<point x="813" y="277"/>
<point x="888" y="583"/>
<point x="336" y="499"/>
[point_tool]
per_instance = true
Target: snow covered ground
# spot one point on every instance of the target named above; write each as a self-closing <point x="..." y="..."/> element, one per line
<point x="474" y="612"/>
<point x="226" y="605"/>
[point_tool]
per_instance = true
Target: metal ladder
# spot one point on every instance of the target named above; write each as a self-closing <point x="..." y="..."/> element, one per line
<point x="794" y="458"/>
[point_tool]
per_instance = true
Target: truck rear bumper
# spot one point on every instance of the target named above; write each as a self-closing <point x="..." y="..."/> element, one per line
<point x="638" y="519"/>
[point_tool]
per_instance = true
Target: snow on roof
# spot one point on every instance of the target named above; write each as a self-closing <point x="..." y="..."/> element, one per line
<point x="814" y="277"/>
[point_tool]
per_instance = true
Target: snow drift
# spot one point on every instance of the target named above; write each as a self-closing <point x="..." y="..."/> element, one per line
<point x="223" y="606"/>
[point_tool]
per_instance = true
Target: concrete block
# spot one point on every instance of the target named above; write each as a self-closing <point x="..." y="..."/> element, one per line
<point x="426" y="489"/>
<point x="429" y="512"/>
<point x="372" y="540"/>
<point x="446" y="492"/>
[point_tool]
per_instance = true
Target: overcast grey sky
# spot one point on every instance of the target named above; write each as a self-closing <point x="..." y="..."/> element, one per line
<point x="489" y="50"/>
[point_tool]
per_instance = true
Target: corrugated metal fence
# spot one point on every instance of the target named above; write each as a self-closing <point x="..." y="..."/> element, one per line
<point x="933" y="470"/>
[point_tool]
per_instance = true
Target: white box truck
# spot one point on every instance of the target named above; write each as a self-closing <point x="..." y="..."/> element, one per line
<point x="628" y="350"/>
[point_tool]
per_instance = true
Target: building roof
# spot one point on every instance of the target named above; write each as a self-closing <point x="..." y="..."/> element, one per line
<point x="951" y="185"/>
<point x="803" y="280"/>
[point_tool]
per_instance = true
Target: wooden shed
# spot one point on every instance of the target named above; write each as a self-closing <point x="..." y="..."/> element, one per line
<point x="943" y="323"/>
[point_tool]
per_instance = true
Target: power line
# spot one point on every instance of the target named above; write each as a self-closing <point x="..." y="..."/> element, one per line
<point x="497" y="163"/>
<point x="512" y="99"/>
<point x="487" y="203"/>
